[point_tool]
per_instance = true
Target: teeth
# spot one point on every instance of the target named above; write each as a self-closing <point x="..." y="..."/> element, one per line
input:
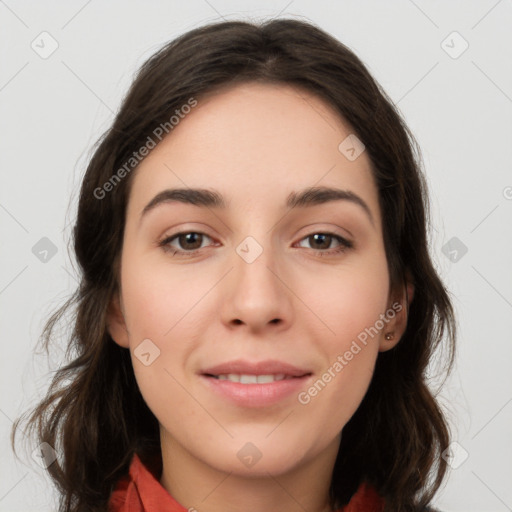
<point x="248" y="379"/>
<point x="252" y="379"/>
<point x="264" y="379"/>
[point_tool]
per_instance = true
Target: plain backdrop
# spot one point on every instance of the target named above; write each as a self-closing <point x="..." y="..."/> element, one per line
<point x="65" y="67"/>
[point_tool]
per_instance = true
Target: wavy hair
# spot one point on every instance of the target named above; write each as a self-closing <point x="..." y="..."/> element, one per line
<point x="94" y="414"/>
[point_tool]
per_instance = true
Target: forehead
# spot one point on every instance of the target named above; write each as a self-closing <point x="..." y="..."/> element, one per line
<point x="255" y="142"/>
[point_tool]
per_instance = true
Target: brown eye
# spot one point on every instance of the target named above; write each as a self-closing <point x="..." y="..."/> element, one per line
<point x="185" y="242"/>
<point x="190" y="240"/>
<point x="322" y="241"/>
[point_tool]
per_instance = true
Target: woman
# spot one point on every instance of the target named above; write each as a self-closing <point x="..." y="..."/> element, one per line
<point x="253" y="370"/>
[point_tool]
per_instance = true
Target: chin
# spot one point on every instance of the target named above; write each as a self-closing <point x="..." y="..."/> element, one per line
<point x="274" y="466"/>
<point x="256" y="458"/>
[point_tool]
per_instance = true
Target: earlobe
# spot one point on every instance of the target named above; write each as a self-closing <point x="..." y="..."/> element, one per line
<point x="116" y="324"/>
<point x="390" y="340"/>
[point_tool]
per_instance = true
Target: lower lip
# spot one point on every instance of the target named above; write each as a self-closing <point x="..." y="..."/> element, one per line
<point x="256" y="395"/>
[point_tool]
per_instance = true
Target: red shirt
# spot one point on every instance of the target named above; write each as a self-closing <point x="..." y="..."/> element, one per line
<point x="141" y="491"/>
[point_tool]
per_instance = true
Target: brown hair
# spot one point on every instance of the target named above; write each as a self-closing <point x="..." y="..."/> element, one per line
<point x="94" y="414"/>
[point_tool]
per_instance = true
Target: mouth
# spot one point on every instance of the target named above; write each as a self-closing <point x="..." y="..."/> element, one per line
<point x="260" y="372"/>
<point x="257" y="384"/>
<point x="252" y="379"/>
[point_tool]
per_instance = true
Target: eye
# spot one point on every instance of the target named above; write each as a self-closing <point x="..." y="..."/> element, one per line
<point x="325" y="240"/>
<point x="189" y="242"/>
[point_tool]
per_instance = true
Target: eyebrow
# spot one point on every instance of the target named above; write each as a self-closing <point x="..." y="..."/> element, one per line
<point x="308" y="197"/>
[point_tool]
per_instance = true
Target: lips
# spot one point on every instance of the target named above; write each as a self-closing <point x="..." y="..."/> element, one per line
<point x="278" y="369"/>
<point x="255" y="384"/>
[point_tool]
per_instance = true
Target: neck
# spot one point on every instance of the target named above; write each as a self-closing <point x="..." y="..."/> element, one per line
<point x="197" y="485"/>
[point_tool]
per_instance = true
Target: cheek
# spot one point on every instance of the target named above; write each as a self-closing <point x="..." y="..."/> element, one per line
<point x="347" y="299"/>
<point x="332" y="399"/>
<point x="350" y="302"/>
<point x="158" y="297"/>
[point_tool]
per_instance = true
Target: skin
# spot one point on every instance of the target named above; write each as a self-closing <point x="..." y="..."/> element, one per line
<point x="254" y="143"/>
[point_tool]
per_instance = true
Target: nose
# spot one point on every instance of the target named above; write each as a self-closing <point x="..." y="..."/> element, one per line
<point x="256" y="294"/>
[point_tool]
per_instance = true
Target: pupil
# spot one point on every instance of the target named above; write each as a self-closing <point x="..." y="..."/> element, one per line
<point x="322" y="236"/>
<point x="188" y="238"/>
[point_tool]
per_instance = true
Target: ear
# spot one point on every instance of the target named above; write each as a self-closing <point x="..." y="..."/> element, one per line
<point x="397" y="314"/>
<point x="116" y="324"/>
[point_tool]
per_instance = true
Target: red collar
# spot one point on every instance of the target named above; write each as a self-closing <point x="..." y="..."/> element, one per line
<point x="141" y="491"/>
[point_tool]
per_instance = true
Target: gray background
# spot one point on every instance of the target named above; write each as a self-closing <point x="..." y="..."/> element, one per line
<point x="458" y="105"/>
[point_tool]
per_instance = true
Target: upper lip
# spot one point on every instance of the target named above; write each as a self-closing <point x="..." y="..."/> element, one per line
<point x="268" y="367"/>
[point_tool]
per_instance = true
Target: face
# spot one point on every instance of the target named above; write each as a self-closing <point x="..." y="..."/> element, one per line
<point x="256" y="285"/>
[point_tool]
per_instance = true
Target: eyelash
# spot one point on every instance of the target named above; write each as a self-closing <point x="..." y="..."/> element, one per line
<point x="344" y="244"/>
